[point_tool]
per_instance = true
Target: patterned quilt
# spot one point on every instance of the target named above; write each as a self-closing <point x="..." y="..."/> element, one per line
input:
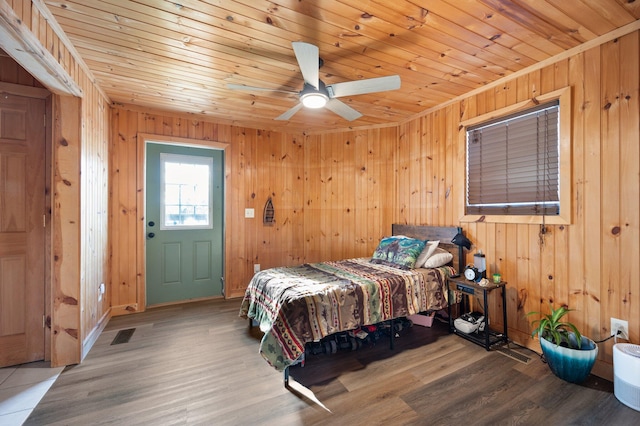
<point x="300" y="304"/>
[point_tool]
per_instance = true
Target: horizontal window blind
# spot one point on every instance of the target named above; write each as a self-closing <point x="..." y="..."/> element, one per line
<point x="513" y="164"/>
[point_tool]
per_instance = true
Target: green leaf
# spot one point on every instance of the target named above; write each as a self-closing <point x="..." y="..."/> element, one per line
<point x="550" y="327"/>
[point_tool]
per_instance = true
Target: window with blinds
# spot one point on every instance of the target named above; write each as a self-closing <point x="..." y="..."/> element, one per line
<point x="513" y="164"/>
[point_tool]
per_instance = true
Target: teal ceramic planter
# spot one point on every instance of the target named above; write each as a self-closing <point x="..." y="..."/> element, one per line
<point x="572" y="365"/>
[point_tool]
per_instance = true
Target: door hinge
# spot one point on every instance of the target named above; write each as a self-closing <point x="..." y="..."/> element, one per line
<point x="44" y="220"/>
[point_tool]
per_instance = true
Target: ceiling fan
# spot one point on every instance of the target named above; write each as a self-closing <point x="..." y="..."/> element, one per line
<point x="315" y="94"/>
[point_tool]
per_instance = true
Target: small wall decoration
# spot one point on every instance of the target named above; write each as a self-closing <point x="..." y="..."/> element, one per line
<point x="268" y="216"/>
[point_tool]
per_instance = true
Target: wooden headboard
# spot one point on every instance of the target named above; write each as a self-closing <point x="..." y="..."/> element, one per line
<point x="443" y="233"/>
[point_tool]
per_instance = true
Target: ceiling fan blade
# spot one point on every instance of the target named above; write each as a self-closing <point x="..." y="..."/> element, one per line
<point x="308" y="57"/>
<point x="257" y="89"/>
<point x="289" y="113"/>
<point x="360" y="87"/>
<point x="343" y="110"/>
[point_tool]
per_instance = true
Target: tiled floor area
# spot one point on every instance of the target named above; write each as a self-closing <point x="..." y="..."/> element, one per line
<point x="21" y="388"/>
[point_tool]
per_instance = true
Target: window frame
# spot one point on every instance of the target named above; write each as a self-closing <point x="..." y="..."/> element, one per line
<point x="563" y="96"/>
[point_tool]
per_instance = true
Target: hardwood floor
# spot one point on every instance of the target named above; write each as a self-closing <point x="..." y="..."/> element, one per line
<point x="199" y="364"/>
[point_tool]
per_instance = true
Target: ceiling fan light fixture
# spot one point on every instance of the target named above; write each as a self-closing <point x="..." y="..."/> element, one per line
<point x="315" y="94"/>
<point x="314" y="100"/>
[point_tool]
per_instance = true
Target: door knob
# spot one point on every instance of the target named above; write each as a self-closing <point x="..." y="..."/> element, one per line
<point x="151" y="223"/>
<point x="151" y="235"/>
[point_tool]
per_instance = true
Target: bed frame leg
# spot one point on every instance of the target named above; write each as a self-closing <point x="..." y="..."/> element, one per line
<point x="286" y="377"/>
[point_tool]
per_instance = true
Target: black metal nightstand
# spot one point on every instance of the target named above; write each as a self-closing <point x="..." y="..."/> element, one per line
<point x="486" y="337"/>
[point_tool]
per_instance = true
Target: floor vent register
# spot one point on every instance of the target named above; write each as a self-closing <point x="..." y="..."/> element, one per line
<point x="507" y="351"/>
<point x="123" y="336"/>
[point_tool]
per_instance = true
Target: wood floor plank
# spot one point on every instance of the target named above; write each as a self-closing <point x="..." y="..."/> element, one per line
<point x="198" y="364"/>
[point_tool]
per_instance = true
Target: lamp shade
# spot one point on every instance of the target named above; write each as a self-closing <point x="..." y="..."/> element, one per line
<point x="461" y="240"/>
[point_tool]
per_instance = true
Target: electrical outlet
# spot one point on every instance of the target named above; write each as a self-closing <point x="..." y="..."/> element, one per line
<point x="256" y="268"/>
<point x="620" y="325"/>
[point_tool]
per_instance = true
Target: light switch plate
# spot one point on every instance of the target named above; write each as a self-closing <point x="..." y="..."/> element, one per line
<point x="249" y="213"/>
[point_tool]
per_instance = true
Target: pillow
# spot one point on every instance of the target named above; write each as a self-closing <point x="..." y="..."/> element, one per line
<point x="398" y="252"/>
<point x="439" y="258"/>
<point x="428" y="250"/>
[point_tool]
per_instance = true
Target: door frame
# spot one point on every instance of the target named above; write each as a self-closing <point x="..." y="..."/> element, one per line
<point x="141" y="260"/>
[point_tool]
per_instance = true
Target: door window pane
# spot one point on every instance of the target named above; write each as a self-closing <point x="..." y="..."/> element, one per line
<point x="185" y="192"/>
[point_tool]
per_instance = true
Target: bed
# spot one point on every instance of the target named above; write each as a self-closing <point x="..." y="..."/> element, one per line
<point x="301" y="304"/>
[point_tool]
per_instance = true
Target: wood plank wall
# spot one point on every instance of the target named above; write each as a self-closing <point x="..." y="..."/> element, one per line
<point x="12" y="72"/>
<point x="350" y="181"/>
<point x="80" y="187"/>
<point x="329" y="193"/>
<point x="409" y="175"/>
<point x="260" y="164"/>
<point x="94" y="256"/>
<point x="337" y="194"/>
<point x="590" y="265"/>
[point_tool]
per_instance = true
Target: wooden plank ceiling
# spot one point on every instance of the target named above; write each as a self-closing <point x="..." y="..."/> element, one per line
<point x="179" y="55"/>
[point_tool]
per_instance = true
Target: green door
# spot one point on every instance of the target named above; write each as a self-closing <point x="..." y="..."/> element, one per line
<point x="184" y="223"/>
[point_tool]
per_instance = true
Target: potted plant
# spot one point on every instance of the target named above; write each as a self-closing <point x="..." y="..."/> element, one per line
<point x="569" y="354"/>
